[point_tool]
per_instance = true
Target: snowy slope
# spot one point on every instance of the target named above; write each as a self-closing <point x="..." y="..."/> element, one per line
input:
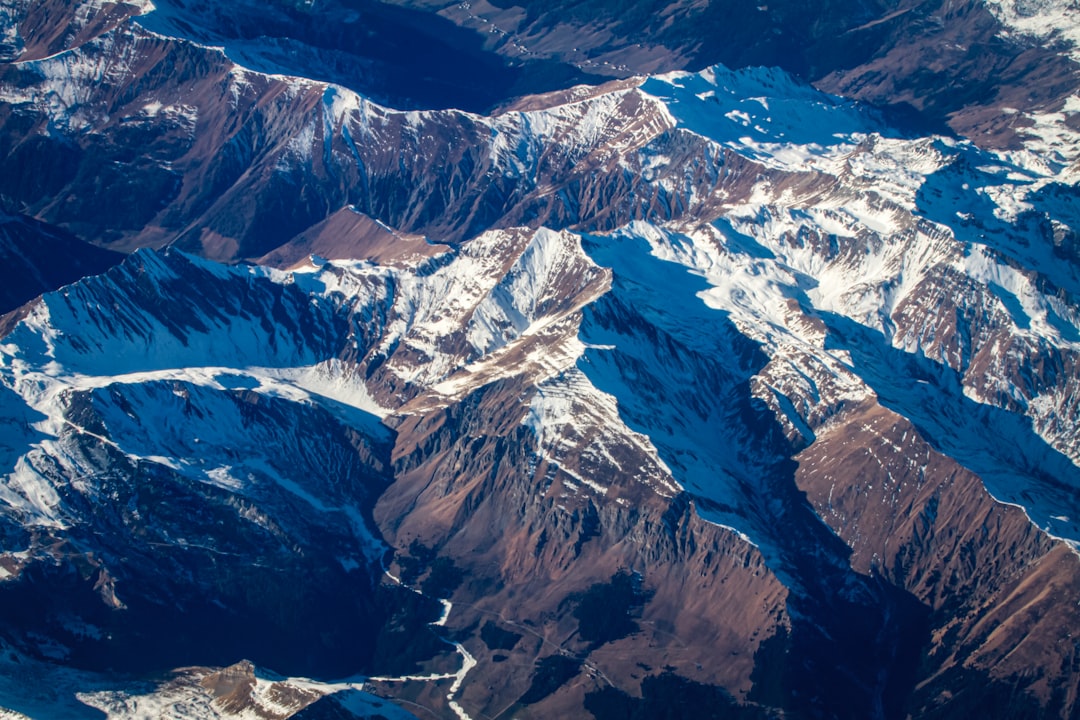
<point x="874" y="243"/>
<point x="1048" y="22"/>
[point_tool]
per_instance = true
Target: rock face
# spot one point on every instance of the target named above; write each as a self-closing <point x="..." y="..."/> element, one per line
<point x="696" y="391"/>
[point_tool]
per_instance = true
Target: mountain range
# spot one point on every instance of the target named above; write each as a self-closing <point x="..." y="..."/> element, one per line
<point x="479" y="360"/>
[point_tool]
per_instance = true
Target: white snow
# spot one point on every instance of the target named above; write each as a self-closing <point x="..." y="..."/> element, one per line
<point x="763" y="114"/>
<point x="468" y="662"/>
<point x="1047" y="21"/>
<point x="32" y="496"/>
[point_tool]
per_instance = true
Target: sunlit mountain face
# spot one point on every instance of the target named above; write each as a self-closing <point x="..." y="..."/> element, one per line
<point x="477" y="360"/>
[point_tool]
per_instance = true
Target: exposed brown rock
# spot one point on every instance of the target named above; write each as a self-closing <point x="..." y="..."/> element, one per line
<point x="50" y="27"/>
<point x="994" y="582"/>
<point x="527" y="547"/>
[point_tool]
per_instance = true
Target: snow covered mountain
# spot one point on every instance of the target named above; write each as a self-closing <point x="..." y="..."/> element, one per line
<point x="690" y="390"/>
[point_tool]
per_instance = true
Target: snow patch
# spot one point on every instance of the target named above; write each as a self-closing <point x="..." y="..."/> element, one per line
<point x="1047" y="21"/>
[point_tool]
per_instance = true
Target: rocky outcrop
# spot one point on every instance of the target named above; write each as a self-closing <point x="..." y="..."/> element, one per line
<point x="988" y="576"/>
